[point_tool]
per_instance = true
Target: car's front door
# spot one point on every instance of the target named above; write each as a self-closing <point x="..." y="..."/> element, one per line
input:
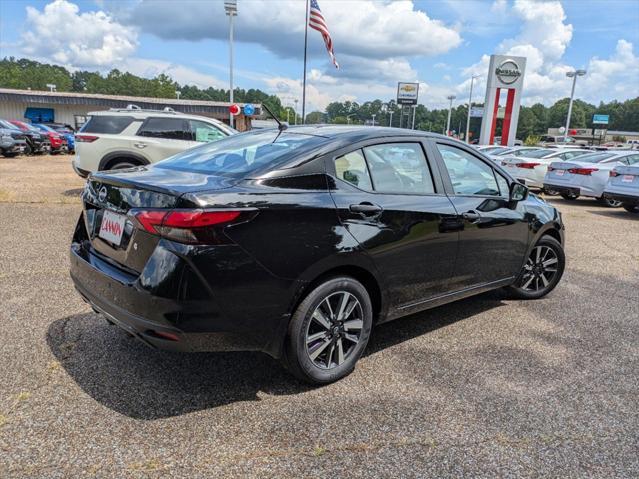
<point x="161" y="137"/>
<point x="391" y="199"/>
<point x="494" y="237"/>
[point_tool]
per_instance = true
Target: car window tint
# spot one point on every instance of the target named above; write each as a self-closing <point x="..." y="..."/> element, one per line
<point x="204" y="132"/>
<point x="399" y="168"/>
<point x="632" y="159"/>
<point x="106" y="124"/>
<point x="502" y="182"/>
<point x="351" y="168"/>
<point x="469" y="175"/>
<point x="167" y="128"/>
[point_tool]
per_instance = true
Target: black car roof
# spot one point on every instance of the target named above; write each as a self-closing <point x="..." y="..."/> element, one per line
<point x="357" y="132"/>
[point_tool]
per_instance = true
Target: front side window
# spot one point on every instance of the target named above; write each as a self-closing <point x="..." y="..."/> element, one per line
<point x="399" y="168"/>
<point x="204" y="132"/>
<point x="632" y="159"/>
<point x="469" y="175"/>
<point x="352" y="168"/>
<point x="166" y="128"/>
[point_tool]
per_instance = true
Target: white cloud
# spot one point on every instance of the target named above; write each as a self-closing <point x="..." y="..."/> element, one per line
<point x="150" y="68"/>
<point x="383" y="30"/>
<point x="62" y="34"/>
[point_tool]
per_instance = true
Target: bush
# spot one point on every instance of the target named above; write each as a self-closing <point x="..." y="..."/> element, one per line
<point x="532" y="140"/>
<point x="619" y="139"/>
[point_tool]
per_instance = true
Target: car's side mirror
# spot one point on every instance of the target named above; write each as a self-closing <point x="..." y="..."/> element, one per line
<point x="518" y="192"/>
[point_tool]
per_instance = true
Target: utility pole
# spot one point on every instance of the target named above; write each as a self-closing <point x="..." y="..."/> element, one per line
<point x="450" y="109"/>
<point x="296" y="100"/>
<point x="573" y="74"/>
<point x="470" y="102"/>
<point x="230" y="7"/>
<point x="374" y="119"/>
<point x="414" y="110"/>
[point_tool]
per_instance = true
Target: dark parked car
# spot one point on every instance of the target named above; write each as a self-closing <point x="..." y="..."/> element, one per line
<point x="12" y="140"/>
<point x="37" y="141"/>
<point x="297" y="242"/>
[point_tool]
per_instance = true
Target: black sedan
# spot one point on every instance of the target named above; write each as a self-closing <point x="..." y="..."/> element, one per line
<point x="297" y="241"/>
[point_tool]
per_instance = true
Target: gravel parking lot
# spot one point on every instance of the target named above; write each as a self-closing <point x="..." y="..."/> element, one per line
<point x="484" y="387"/>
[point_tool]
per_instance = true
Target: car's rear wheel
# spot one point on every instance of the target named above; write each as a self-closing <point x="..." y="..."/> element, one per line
<point x="121" y="164"/>
<point x="542" y="271"/>
<point x="569" y="196"/>
<point x="550" y="192"/>
<point x="610" y="203"/>
<point x="630" y="208"/>
<point x="329" y="331"/>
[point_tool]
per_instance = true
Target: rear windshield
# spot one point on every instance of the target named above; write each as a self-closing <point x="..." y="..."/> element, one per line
<point x="537" y="153"/>
<point x="106" y="124"/>
<point x="595" y="157"/>
<point x="241" y="155"/>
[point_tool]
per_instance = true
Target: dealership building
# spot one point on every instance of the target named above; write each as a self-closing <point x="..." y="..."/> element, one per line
<point x="73" y="108"/>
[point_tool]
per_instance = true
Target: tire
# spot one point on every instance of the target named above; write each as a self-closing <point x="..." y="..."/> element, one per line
<point x="9" y="155"/>
<point x="28" y="150"/>
<point x="121" y="164"/>
<point x="630" y="208"/>
<point x="569" y="196"/>
<point x="534" y="281"/>
<point x="321" y="360"/>
<point x="609" y="203"/>
<point x="550" y="192"/>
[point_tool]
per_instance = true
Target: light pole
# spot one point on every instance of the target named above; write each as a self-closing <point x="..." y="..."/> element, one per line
<point x="230" y="7"/>
<point x="450" y="109"/>
<point x="348" y="118"/>
<point x="296" y="100"/>
<point x="178" y="93"/>
<point x="374" y="119"/>
<point x="573" y="74"/>
<point x="470" y="102"/>
<point x="51" y="87"/>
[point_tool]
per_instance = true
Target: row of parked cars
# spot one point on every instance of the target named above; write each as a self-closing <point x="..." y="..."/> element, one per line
<point x="610" y="176"/>
<point x="18" y="137"/>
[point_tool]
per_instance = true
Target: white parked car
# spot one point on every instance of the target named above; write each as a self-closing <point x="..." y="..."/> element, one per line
<point x="123" y="138"/>
<point x="530" y="167"/>
<point x="587" y="175"/>
<point x="623" y="186"/>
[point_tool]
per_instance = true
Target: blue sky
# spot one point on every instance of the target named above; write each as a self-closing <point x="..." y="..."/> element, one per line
<point x="438" y="43"/>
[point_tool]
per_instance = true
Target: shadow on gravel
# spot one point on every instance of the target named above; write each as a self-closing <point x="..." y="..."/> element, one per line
<point x="617" y="213"/>
<point x="134" y="380"/>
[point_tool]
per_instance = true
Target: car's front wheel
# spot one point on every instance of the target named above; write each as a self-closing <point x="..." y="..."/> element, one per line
<point x="610" y="203"/>
<point x="542" y="271"/>
<point x="329" y="331"/>
<point x="630" y="208"/>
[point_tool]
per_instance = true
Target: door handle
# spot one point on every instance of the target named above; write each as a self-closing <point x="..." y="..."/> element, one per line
<point x="366" y="209"/>
<point x="472" y="216"/>
<point x="139" y="145"/>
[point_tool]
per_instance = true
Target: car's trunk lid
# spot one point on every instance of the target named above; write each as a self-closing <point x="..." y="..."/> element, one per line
<point x="111" y="200"/>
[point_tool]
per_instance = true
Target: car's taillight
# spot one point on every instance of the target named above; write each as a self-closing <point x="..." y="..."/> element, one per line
<point x="86" y="138"/>
<point x="528" y="166"/>
<point x="613" y="173"/>
<point x="582" y="171"/>
<point x="191" y="226"/>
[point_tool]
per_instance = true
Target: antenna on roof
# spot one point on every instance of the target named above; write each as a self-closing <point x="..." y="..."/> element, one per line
<point x="280" y="126"/>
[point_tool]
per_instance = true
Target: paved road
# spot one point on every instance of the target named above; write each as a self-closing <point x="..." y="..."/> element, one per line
<point x="485" y="387"/>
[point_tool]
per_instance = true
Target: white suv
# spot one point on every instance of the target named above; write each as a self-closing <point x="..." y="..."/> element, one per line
<point x="122" y="138"/>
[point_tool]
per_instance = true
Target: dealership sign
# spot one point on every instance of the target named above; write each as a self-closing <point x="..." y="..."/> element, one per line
<point x="477" y="111"/>
<point x="508" y="72"/>
<point x="407" y="93"/>
<point x="601" y="119"/>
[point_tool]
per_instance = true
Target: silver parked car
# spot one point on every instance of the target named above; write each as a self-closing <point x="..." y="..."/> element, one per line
<point x="623" y="186"/>
<point x="587" y="175"/>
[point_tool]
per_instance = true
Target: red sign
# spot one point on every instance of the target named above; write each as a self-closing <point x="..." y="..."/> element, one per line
<point x="234" y="109"/>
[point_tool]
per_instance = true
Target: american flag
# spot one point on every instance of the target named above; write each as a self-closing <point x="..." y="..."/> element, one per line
<point x="316" y="21"/>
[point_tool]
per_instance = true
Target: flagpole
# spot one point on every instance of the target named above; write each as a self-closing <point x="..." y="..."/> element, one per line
<point x="304" y="82"/>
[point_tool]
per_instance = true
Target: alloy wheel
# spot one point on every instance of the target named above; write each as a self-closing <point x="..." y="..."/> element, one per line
<point x="334" y="330"/>
<point x="540" y="269"/>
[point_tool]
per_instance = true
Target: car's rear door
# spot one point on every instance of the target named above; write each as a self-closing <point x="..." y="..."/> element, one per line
<point x="494" y="236"/>
<point x="161" y="137"/>
<point x="391" y="199"/>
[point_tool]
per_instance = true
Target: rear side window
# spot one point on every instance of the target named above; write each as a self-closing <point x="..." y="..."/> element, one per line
<point x="399" y="168"/>
<point x="352" y="168"/>
<point x="106" y="124"/>
<point x="632" y="159"/>
<point x="167" y="128"/>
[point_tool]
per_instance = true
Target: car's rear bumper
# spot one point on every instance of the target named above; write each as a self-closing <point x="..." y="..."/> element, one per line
<point x="625" y="199"/>
<point x="80" y="171"/>
<point x="565" y="190"/>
